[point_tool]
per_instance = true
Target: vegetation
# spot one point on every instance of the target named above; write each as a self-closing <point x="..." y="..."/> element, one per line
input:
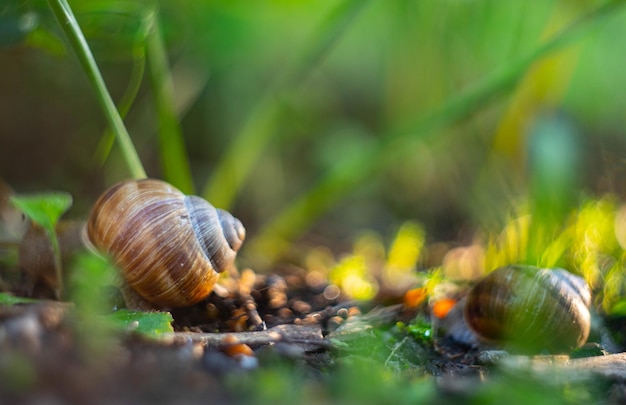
<point x="392" y="149"/>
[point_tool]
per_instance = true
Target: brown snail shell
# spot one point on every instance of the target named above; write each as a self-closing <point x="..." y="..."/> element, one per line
<point x="530" y="309"/>
<point x="170" y="247"/>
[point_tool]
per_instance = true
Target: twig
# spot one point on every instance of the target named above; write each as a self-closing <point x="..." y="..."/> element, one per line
<point x="395" y="349"/>
<point x="610" y="366"/>
<point x="297" y="334"/>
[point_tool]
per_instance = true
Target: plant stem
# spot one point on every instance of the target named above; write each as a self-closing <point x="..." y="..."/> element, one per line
<point x="128" y="98"/>
<point x="54" y="240"/>
<point x="176" y="168"/>
<point x="68" y="23"/>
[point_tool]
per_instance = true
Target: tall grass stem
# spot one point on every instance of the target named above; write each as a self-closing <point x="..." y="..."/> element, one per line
<point x="66" y="19"/>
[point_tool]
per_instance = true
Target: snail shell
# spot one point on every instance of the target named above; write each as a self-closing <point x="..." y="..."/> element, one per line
<point x="530" y="309"/>
<point x="169" y="247"/>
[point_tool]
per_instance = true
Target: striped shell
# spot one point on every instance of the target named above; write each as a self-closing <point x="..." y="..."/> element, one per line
<point x="169" y="247"/>
<point x="530" y="309"/>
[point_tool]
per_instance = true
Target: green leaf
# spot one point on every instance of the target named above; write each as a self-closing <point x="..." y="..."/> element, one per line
<point x="43" y="209"/>
<point x="148" y="323"/>
<point x="10" y="299"/>
<point x="419" y="329"/>
<point x="619" y="309"/>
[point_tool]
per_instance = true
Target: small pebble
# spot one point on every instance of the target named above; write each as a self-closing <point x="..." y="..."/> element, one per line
<point x="285" y="313"/>
<point x="290" y="350"/>
<point x="490" y="357"/>
<point x="332" y="292"/>
<point x="343" y="312"/>
<point x="132" y="326"/>
<point x="216" y="362"/>
<point x="25" y="331"/>
<point x="588" y="350"/>
<point x="301" y="307"/>
<point x="335" y="322"/>
<point x="353" y="311"/>
<point x="247" y="362"/>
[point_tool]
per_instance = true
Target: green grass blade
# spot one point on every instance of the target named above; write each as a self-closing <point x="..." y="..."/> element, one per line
<point x="176" y="168"/>
<point x="238" y="161"/>
<point x="129" y="96"/>
<point x="353" y="170"/>
<point x="66" y="19"/>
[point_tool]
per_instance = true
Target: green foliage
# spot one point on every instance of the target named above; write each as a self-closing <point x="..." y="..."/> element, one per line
<point x="419" y="329"/>
<point x="518" y="387"/>
<point x="151" y="324"/>
<point x="15" y="27"/>
<point x="98" y="322"/>
<point x="90" y="276"/>
<point x="313" y="104"/>
<point x="10" y="299"/>
<point x="17" y="373"/>
<point x="352" y="380"/>
<point x="45" y="210"/>
<point x="260" y="127"/>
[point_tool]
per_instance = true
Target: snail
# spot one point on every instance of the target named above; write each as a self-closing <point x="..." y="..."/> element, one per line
<point x="169" y="247"/>
<point x="530" y="309"/>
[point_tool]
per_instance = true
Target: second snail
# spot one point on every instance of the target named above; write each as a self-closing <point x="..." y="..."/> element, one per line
<point x="525" y="309"/>
<point x="169" y="247"/>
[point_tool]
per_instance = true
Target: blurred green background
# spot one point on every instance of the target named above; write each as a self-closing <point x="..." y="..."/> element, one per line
<point x="313" y="121"/>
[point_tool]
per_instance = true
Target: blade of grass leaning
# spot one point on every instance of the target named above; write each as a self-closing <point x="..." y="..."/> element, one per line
<point x="275" y="237"/>
<point x="66" y="19"/>
<point x="8" y="299"/>
<point x="130" y="94"/>
<point x="259" y="127"/>
<point x="176" y="168"/>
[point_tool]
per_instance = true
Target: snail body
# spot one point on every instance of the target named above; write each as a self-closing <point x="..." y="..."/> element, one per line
<point x="169" y="247"/>
<point x="530" y="309"/>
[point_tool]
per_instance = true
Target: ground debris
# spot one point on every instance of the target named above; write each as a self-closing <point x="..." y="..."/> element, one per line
<point x="309" y="337"/>
<point x="611" y="366"/>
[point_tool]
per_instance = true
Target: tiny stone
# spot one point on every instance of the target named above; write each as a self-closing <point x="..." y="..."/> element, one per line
<point x="319" y="301"/>
<point x="247" y="362"/>
<point x="301" y="307"/>
<point x="315" y="279"/>
<point x="285" y="313"/>
<point x="311" y="319"/>
<point x="278" y="300"/>
<point x="212" y="310"/>
<point x="293" y="281"/>
<point x="335" y="322"/>
<point x="353" y="311"/>
<point x="343" y="312"/>
<point x="25" y="331"/>
<point x="290" y="350"/>
<point x="332" y="292"/>
<point x="217" y="362"/>
<point x="490" y="357"/>
<point x="588" y="350"/>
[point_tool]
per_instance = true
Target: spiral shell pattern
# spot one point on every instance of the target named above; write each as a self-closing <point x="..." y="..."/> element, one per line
<point x="169" y="247"/>
<point x="530" y="309"/>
